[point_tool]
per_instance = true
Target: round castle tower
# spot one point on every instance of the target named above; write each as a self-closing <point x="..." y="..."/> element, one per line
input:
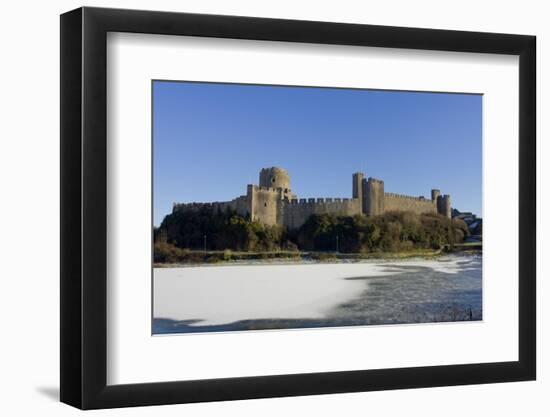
<point x="275" y="177"/>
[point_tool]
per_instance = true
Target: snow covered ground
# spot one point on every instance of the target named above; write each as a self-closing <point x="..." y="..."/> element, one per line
<point x="217" y="295"/>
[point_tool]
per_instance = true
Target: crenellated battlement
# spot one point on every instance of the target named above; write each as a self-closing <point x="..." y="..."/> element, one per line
<point x="272" y="202"/>
<point x="297" y="211"/>
<point x="197" y="206"/>
<point x="408" y="197"/>
<point x="375" y="180"/>
<point x="323" y="201"/>
<point x="266" y="189"/>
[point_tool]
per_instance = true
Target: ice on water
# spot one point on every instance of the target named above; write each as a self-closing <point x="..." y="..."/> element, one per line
<point x="375" y="291"/>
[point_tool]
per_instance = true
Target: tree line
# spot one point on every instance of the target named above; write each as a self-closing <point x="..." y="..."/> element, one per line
<point x="214" y="230"/>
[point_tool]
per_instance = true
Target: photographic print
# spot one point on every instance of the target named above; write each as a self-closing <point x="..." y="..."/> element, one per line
<point x="296" y="207"/>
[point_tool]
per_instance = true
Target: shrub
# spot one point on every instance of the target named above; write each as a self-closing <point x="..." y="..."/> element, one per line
<point x="290" y="246"/>
<point x="219" y="229"/>
<point x="166" y="253"/>
<point x="390" y="232"/>
<point x="227" y="231"/>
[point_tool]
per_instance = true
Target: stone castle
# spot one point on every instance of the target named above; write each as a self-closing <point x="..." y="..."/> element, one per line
<point x="273" y="203"/>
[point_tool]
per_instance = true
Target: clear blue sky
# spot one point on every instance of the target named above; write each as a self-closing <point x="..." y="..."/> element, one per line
<point x="211" y="140"/>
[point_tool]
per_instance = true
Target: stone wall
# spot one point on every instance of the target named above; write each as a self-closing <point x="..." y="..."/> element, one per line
<point x="373" y="197"/>
<point x="296" y="212"/>
<point x="273" y="202"/>
<point x="357" y="185"/>
<point x="240" y="205"/>
<point x="398" y="202"/>
<point x="264" y="204"/>
<point x="274" y="178"/>
<point x="444" y="205"/>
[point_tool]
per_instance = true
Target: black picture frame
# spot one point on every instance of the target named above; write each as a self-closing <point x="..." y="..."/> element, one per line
<point x="84" y="207"/>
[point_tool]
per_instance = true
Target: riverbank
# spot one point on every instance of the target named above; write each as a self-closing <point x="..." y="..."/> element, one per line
<point x="227" y="257"/>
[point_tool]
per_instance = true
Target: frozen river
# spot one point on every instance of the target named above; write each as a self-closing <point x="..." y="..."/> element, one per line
<point x="257" y="297"/>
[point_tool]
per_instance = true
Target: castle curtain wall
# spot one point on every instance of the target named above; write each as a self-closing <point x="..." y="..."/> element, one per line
<point x="296" y="212"/>
<point x="395" y="202"/>
<point x="275" y="204"/>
